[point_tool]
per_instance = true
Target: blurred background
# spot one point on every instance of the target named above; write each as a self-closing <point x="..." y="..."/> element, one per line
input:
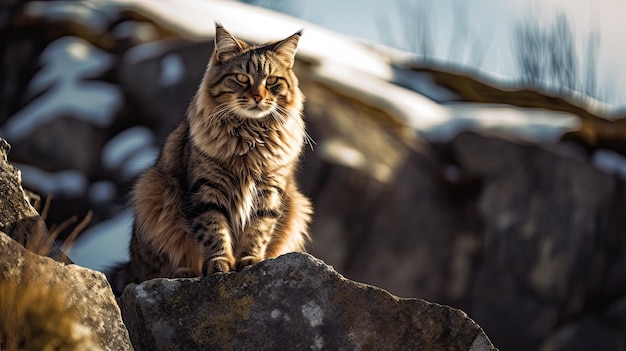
<point x="470" y="153"/>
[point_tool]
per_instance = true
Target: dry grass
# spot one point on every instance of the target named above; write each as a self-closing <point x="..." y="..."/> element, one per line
<point x="35" y="315"/>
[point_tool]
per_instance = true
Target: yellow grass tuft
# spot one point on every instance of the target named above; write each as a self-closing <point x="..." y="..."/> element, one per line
<point x="36" y="316"/>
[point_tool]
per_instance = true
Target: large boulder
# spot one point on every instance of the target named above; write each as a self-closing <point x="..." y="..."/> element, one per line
<point x="18" y="218"/>
<point x="293" y="302"/>
<point x="45" y="303"/>
<point x="553" y="244"/>
<point x="56" y="304"/>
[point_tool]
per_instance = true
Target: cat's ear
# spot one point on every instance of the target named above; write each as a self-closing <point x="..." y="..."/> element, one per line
<point x="286" y="49"/>
<point x="226" y="46"/>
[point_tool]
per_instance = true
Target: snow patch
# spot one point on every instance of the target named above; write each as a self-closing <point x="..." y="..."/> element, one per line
<point x="102" y="192"/>
<point x="531" y="124"/>
<point x="610" y="162"/>
<point x="139" y="162"/>
<point x="130" y="152"/>
<point x="362" y="71"/>
<point x="422" y="82"/>
<point x="195" y="19"/>
<point x="104" y="244"/>
<point x="338" y="151"/>
<point x="172" y="70"/>
<point x="80" y="12"/>
<point x="69" y="183"/>
<point x="66" y="63"/>
<point x="135" y="31"/>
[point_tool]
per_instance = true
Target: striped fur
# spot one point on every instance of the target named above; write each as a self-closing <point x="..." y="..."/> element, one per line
<point x="222" y="194"/>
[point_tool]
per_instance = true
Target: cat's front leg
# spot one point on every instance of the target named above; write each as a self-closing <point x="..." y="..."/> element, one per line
<point x="255" y="239"/>
<point x="211" y="228"/>
<point x="257" y="234"/>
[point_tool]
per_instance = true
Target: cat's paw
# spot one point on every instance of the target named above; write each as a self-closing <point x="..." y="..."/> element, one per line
<point x="217" y="265"/>
<point x="248" y="261"/>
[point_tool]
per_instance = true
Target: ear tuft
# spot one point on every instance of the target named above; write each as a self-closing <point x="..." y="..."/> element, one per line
<point x="226" y="46"/>
<point x="286" y="48"/>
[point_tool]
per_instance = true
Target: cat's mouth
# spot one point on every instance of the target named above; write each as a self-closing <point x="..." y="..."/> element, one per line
<point x="254" y="112"/>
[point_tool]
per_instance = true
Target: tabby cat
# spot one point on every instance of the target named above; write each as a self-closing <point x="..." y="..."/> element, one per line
<point x="222" y="194"/>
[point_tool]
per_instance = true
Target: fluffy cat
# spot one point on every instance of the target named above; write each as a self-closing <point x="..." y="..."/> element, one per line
<point x="222" y="194"/>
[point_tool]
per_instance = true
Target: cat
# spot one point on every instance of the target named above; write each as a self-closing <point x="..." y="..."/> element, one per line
<point x="222" y="194"/>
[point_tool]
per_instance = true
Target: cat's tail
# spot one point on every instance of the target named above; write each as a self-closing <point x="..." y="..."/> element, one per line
<point x="119" y="276"/>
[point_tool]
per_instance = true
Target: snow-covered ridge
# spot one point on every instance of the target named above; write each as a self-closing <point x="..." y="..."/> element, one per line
<point x="195" y="19"/>
<point x="367" y="73"/>
<point x="359" y="70"/>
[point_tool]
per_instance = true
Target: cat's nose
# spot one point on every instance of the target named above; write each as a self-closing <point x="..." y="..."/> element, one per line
<point x="257" y="98"/>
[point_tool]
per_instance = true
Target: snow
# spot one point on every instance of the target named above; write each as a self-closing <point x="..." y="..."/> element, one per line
<point x="422" y="82"/>
<point x="68" y="182"/>
<point x="138" y="162"/>
<point x="172" y="70"/>
<point x="531" y="124"/>
<point x="79" y="12"/>
<point x="610" y="162"/>
<point x="410" y="107"/>
<point x="352" y="67"/>
<point x="130" y="152"/>
<point x="66" y="62"/>
<point x="69" y="59"/>
<point x="104" y="244"/>
<point x="195" y="19"/>
<point x="359" y="70"/>
<point x="135" y="31"/>
<point x="143" y="52"/>
<point x="102" y="192"/>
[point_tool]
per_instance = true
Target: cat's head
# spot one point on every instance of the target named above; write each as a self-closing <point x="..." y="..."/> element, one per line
<point x="253" y="81"/>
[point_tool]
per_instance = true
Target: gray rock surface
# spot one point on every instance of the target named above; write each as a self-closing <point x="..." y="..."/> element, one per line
<point x="85" y="291"/>
<point x="18" y="218"/>
<point x="553" y="244"/>
<point x="293" y="302"/>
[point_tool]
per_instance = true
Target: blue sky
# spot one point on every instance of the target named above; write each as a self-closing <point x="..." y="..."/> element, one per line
<point x="488" y="28"/>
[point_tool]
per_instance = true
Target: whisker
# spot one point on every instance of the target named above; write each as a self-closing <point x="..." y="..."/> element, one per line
<point x="221" y="111"/>
<point x="307" y="137"/>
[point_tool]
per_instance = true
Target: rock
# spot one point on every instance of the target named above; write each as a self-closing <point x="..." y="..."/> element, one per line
<point x="54" y="303"/>
<point x="66" y="95"/>
<point x="74" y="303"/>
<point x="552" y="238"/>
<point x="527" y="238"/>
<point x="18" y="218"/>
<point x="598" y="331"/>
<point x="294" y="302"/>
<point x="381" y="216"/>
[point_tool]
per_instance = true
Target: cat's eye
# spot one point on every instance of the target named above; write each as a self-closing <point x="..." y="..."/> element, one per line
<point x="242" y="78"/>
<point x="271" y="80"/>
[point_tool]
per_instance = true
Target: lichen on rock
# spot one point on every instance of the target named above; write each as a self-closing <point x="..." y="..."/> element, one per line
<point x="293" y="302"/>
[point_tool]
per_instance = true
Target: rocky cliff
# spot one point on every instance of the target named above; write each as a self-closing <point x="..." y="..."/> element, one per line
<point x="46" y="304"/>
<point x="289" y="303"/>
<point x="523" y="232"/>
